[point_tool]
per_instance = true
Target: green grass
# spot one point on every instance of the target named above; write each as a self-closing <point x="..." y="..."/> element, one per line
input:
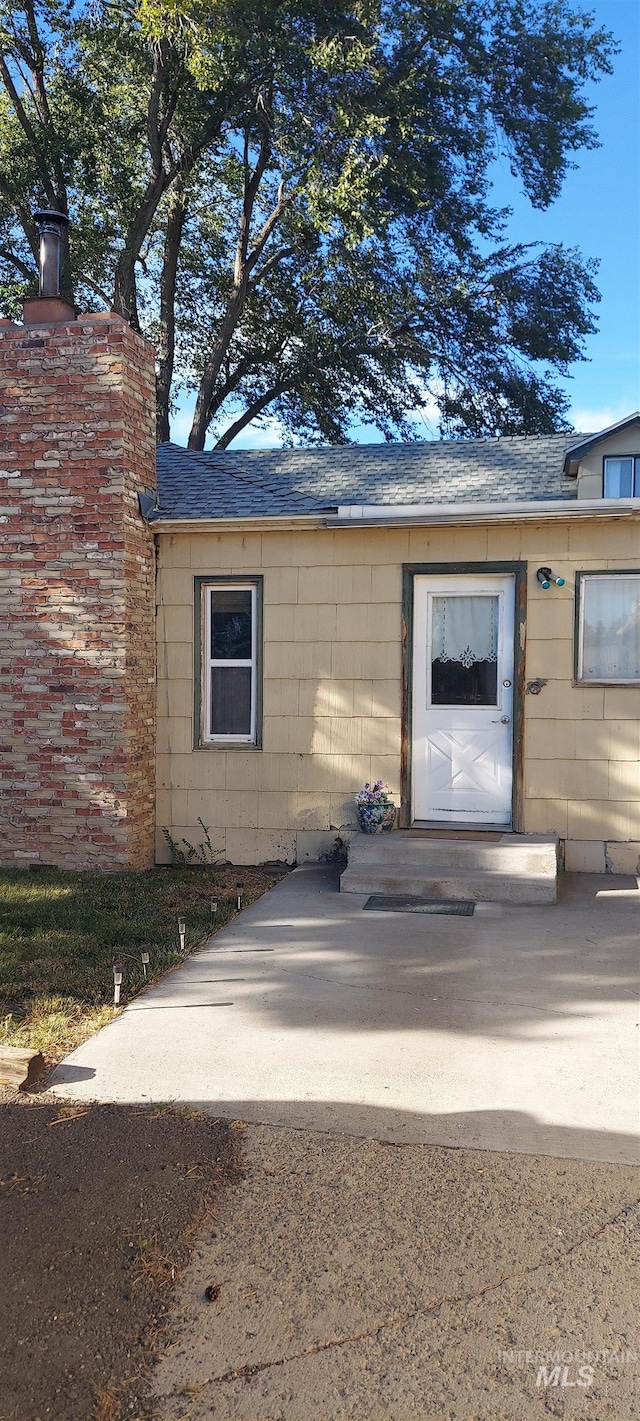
<point x="61" y="931"/>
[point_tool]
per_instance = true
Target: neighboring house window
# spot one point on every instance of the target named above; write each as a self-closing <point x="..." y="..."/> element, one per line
<point x="622" y="477"/>
<point x="230" y="691"/>
<point x="608" y="619"/>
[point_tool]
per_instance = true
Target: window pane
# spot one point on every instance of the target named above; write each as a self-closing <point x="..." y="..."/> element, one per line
<point x="231" y="700"/>
<point x="453" y="684"/>
<point x="464" y="653"/>
<point x="611" y="628"/>
<point x="231" y="624"/>
<point x="618" y="478"/>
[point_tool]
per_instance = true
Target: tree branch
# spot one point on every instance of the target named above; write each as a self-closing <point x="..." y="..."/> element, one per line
<point x="251" y="413"/>
<point x="93" y="286"/>
<point x="124" y="297"/>
<point x="27" y="128"/>
<point x="23" y="215"/>
<point x="153" y="107"/>
<point x="20" y="265"/>
<point x="271" y="262"/>
<point x="244" y="264"/>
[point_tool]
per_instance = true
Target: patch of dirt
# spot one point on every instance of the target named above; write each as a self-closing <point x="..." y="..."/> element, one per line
<point x="98" y="1209"/>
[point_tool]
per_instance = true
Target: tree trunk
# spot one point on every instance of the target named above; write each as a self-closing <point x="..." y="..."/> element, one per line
<point x="167" y="339"/>
<point x="202" y="412"/>
<point x="124" y="293"/>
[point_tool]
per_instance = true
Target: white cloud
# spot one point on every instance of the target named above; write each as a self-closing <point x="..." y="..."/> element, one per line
<point x="266" y="436"/>
<point x="591" y="419"/>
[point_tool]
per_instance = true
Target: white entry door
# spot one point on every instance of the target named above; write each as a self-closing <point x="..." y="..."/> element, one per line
<point x="463" y="666"/>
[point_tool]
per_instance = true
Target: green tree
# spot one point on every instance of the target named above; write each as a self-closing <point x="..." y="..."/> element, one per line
<point x="294" y="200"/>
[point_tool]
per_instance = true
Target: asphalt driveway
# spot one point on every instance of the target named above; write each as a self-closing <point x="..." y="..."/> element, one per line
<point x="515" y="1029"/>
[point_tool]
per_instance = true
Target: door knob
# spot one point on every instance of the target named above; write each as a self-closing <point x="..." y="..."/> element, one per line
<point x="504" y="720"/>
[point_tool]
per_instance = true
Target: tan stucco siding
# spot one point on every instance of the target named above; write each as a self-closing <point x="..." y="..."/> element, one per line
<point x="332" y="688"/>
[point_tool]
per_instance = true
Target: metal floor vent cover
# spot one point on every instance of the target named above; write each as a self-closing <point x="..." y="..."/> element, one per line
<point x="388" y="903"/>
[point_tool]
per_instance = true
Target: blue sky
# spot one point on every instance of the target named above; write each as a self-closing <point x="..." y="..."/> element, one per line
<point x="598" y="211"/>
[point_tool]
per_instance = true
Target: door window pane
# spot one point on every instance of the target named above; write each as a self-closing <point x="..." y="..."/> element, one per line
<point x="453" y="684"/>
<point x="618" y="478"/>
<point x="610" y="617"/>
<point x="231" y="700"/>
<point x="464" y="652"/>
<point x="231" y="624"/>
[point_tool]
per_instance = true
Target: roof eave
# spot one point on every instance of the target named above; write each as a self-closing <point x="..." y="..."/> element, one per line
<point x="371" y="515"/>
<point x="578" y="451"/>
<point x="257" y="523"/>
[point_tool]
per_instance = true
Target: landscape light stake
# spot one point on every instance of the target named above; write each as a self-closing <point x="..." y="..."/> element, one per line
<point x="144" y="958"/>
<point x="117" y="983"/>
<point x="214" y="907"/>
<point x="182" y="929"/>
<point x="239" y="887"/>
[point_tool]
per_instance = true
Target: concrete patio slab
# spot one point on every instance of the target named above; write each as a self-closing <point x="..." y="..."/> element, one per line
<point x="515" y="1029"/>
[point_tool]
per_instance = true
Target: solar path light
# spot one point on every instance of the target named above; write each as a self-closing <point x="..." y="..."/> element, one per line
<point x="117" y="983"/>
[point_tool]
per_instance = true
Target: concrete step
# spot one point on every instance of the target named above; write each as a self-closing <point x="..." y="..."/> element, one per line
<point x="513" y="852"/>
<point x="517" y="869"/>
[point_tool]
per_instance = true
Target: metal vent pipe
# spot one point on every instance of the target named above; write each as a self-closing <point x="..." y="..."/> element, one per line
<point x="50" y="228"/>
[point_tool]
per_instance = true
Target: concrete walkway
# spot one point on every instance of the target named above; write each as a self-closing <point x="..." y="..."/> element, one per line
<point x="366" y="1282"/>
<point x="515" y="1029"/>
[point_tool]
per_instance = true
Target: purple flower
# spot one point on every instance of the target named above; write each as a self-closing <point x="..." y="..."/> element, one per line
<point x="373" y="794"/>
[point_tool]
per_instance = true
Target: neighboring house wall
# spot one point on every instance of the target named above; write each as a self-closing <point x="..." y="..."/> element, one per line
<point x="76" y="595"/>
<point x="590" y="480"/>
<point x="332" y="688"/>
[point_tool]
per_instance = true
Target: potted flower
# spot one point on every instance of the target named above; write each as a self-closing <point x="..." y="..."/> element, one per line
<point x="376" y="810"/>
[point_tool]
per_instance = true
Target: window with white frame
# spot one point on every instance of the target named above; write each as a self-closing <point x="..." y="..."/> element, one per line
<point x="229" y="661"/>
<point x="622" y="476"/>
<point x="608" y="648"/>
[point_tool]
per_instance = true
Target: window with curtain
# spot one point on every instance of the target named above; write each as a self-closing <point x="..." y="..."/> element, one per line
<point x="229" y="670"/>
<point x="622" y="477"/>
<point x="608" y="626"/>
<point x="464" y="650"/>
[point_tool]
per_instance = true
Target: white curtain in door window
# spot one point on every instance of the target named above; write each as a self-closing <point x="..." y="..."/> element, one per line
<point x="611" y="628"/>
<point x="465" y="629"/>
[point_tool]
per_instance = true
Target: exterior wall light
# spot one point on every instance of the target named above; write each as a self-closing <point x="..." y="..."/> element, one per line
<point x="545" y="577"/>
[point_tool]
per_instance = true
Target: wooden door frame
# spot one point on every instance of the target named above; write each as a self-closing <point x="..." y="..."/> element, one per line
<point x="518" y="570"/>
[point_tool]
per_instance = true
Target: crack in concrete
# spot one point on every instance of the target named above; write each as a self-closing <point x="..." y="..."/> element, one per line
<point x="252" y="1369"/>
<point x="425" y="996"/>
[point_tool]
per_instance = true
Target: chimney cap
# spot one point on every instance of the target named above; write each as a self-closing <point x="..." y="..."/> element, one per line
<point x="49" y="215"/>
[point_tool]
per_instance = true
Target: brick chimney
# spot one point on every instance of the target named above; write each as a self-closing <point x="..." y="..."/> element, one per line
<point x="77" y="575"/>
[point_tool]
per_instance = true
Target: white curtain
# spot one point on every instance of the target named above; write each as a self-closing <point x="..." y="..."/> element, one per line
<point x="465" y="629"/>
<point x="611" y="628"/>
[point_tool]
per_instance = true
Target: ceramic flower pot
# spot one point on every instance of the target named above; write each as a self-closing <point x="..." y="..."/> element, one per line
<point x="376" y="818"/>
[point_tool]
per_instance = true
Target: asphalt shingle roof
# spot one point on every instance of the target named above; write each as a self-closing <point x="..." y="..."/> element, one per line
<point x="262" y="482"/>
